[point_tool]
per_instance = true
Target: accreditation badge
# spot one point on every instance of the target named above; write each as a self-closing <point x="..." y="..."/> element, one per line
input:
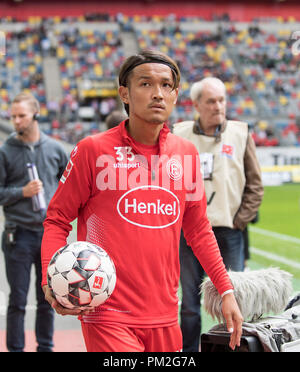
<point x="207" y="165"/>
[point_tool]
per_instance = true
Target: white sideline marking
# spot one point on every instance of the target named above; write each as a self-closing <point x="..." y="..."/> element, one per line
<point x="275" y="257"/>
<point x="274" y="234"/>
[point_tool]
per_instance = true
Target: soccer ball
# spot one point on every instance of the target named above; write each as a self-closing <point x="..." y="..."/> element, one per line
<point x="81" y="275"/>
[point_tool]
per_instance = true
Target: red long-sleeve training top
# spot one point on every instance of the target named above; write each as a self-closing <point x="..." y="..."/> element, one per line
<point x="135" y="212"/>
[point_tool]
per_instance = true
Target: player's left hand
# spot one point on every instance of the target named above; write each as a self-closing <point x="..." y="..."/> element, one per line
<point x="234" y="319"/>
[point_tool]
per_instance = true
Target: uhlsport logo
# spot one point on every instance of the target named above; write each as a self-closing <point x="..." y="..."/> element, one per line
<point x="149" y="206"/>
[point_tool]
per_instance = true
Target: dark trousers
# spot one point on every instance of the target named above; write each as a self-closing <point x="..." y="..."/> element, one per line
<point x="231" y="246"/>
<point x="19" y="258"/>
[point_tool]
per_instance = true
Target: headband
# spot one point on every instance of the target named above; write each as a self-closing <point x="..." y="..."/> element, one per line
<point x="157" y="60"/>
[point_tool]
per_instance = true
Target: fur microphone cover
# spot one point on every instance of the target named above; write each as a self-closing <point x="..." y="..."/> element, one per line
<point x="257" y="292"/>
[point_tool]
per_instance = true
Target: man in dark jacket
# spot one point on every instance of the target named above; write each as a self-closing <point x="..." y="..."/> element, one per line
<point x="23" y="230"/>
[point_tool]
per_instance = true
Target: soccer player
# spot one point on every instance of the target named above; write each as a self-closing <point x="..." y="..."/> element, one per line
<point x="132" y="188"/>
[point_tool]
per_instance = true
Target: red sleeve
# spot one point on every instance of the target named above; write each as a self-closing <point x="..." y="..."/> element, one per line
<point x="71" y="195"/>
<point x="200" y="237"/>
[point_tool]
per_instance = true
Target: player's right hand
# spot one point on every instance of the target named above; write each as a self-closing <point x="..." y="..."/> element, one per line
<point x="58" y="307"/>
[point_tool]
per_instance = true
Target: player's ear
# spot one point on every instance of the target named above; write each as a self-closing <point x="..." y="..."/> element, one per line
<point x="123" y="93"/>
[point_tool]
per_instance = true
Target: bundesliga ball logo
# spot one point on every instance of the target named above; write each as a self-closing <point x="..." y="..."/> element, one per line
<point x="81" y="275"/>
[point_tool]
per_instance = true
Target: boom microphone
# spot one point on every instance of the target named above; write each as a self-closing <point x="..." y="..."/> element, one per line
<point x="257" y="292"/>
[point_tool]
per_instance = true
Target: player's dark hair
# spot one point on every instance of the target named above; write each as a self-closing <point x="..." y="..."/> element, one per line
<point x="147" y="56"/>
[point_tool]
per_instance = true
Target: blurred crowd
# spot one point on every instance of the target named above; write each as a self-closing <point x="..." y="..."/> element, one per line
<point x="261" y="74"/>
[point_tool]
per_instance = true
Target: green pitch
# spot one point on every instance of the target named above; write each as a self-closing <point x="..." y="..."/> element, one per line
<point x="278" y="231"/>
<point x="280" y="209"/>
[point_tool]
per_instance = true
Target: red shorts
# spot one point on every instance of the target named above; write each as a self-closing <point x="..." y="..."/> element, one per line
<point x="108" y="337"/>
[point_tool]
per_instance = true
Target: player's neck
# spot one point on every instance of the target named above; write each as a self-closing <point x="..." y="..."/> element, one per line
<point x="145" y="133"/>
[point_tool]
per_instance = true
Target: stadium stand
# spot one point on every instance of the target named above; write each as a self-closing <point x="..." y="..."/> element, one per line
<point x="199" y="54"/>
<point x="71" y="62"/>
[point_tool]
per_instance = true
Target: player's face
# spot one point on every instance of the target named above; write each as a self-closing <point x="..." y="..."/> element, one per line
<point x="150" y="93"/>
<point x="212" y="106"/>
<point x="22" y="116"/>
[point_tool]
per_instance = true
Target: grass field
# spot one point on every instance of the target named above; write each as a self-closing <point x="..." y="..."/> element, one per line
<point x="277" y="234"/>
<point x="275" y="238"/>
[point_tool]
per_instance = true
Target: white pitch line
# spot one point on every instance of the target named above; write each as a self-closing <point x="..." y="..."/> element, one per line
<point x="275" y="257"/>
<point x="274" y="234"/>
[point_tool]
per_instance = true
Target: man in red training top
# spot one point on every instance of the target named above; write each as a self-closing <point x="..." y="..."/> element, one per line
<point x="132" y="188"/>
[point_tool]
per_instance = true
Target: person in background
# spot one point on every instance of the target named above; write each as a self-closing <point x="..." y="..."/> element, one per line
<point x="115" y="118"/>
<point x="233" y="189"/>
<point x="23" y="231"/>
<point x="246" y="241"/>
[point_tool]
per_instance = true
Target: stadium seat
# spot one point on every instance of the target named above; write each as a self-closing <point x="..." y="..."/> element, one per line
<point x="252" y="64"/>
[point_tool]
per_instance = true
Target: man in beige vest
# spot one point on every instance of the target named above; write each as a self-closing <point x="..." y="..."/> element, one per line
<point x="233" y="190"/>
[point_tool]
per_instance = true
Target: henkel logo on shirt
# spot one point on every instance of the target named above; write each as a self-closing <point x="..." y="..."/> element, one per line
<point x="149" y="206"/>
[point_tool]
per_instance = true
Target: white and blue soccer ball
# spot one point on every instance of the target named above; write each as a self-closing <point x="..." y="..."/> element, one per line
<point x="81" y="275"/>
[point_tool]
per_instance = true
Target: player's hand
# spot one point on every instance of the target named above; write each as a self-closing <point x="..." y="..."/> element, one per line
<point x="234" y="319"/>
<point x="58" y="307"/>
<point x="32" y="188"/>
